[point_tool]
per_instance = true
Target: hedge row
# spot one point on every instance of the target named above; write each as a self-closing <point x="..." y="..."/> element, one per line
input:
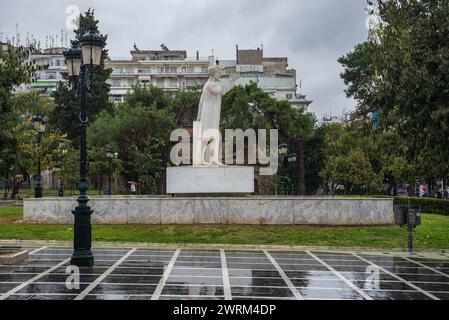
<point x="428" y="205"/>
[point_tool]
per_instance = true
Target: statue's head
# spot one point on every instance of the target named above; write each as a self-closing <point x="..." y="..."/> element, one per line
<point x="216" y="72"/>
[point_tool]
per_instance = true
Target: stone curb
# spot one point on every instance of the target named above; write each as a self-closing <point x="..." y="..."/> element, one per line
<point x="40" y="243"/>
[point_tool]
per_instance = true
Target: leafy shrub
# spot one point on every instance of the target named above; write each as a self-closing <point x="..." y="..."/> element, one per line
<point x="428" y="205"/>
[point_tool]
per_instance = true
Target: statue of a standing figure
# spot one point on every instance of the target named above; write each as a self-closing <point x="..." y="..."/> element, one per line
<point x="207" y="150"/>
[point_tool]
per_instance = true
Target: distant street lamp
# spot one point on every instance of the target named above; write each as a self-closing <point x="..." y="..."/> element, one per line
<point x="39" y="127"/>
<point x="292" y="158"/>
<point x="61" y="182"/>
<point x="283" y="149"/>
<point x="111" y="156"/>
<point x="80" y="66"/>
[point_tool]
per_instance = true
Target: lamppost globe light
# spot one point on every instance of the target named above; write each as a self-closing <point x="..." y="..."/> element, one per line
<point x="292" y="157"/>
<point x="73" y="60"/>
<point x="39" y="123"/>
<point x="283" y="149"/>
<point x="91" y="46"/>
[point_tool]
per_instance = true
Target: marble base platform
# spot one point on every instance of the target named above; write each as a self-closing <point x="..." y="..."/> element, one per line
<point x="220" y="210"/>
<point x="205" y="179"/>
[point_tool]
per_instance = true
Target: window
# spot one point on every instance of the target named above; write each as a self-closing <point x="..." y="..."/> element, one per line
<point x="191" y="83"/>
<point x="289" y="96"/>
<point x="204" y="69"/>
<point x="173" y="83"/>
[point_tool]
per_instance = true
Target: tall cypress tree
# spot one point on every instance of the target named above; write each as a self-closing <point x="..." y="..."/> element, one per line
<point x="65" y="116"/>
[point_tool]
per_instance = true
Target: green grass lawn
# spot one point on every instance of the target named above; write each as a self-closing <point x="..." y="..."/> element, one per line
<point x="433" y="234"/>
<point x="29" y="193"/>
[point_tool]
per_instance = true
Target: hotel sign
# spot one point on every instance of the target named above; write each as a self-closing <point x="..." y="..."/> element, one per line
<point x="242" y="68"/>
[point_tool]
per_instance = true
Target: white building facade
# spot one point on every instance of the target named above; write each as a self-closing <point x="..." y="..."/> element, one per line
<point x="173" y="70"/>
<point x="48" y="79"/>
<point x="167" y="69"/>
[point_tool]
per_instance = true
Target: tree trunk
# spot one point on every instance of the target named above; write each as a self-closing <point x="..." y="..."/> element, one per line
<point x="301" y="180"/>
<point x="162" y="182"/>
<point x="429" y="187"/>
<point x="395" y="189"/>
<point x="412" y="189"/>
<point x="347" y="189"/>
<point x="16" y="187"/>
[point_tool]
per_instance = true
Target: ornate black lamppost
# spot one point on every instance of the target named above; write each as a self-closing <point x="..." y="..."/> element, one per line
<point x="111" y="156"/>
<point x="286" y="160"/>
<point x="80" y="66"/>
<point x="39" y="127"/>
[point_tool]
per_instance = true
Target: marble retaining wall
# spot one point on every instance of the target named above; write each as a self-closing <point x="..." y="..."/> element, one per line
<point x="248" y="210"/>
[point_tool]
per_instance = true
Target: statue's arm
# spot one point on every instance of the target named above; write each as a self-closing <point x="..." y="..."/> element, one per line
<point x="200" y="109"/>
<point x="230" y="83"/>
<point x="217" y="88"/>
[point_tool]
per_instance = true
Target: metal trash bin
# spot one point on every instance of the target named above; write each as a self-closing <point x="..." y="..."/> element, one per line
<point x="414" y="216"/>
<point x="410" y="216"/>
<point x="400" y="214"/>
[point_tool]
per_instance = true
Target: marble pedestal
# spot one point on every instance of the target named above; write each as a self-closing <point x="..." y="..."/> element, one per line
<point x="206" y="179"/>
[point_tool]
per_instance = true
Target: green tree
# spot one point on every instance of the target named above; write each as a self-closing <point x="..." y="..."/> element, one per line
<point x="314" y="160"/>
<point x="66" y="112"/>
<point x="405" y="76"/>
<point x="68" y="164"/>
<point x="139" y="130"/>
<point x="351" y="158"/>
<point x="352" y="169"/>
<point x="15" y="69"/>
<point x="251" y="107"/>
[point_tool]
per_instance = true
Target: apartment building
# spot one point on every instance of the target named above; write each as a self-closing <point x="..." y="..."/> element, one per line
<point x="47" y="80"/>
<point x="173" y="70"/>
<point x="168" y="69"/>
<point x="270" y="73"/>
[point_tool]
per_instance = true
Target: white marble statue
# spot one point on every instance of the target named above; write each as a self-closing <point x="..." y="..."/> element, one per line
<point x="207" y="150"/>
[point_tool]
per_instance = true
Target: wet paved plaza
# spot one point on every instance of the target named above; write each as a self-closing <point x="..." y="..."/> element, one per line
<point x="183" y="274"/>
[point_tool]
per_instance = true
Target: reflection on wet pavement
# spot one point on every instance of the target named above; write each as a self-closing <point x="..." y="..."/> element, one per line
<point x="240" y="275"/>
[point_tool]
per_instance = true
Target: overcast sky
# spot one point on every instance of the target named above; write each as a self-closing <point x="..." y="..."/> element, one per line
<point x="313" y="34"/>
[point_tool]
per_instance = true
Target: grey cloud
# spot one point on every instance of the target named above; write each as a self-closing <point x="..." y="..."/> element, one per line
<point x="313" y="34"/>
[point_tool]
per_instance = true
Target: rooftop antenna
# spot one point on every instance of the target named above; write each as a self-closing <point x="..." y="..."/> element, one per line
<point x="17" y="35"/>
<point x="46" y="42"/>
<point x="164" y="48"/>
<point x="237" y="53"/>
